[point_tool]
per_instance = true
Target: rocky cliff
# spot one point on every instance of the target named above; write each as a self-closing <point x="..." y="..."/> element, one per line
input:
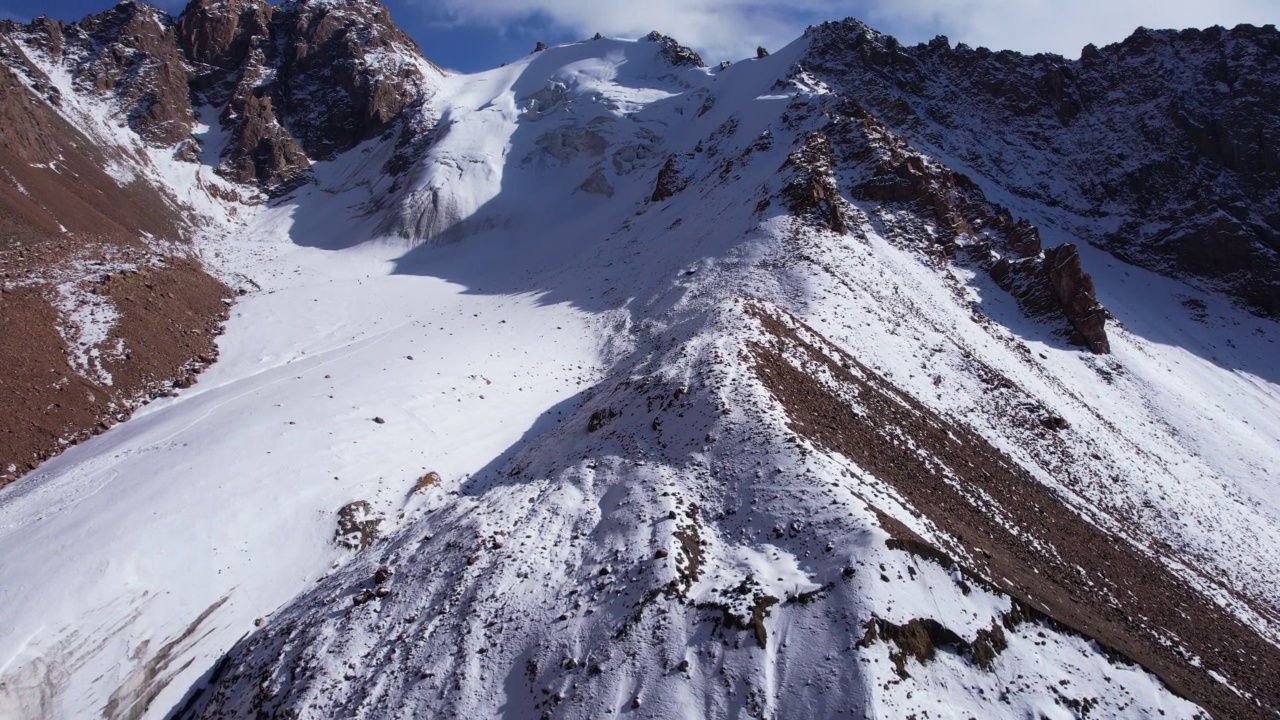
<point x="300" y="81"/>
<point x="1164" y="149"/>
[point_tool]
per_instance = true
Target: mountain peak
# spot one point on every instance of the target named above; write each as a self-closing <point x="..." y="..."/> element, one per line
<point x="675" y="53"/>
<point x="853" y="378"/>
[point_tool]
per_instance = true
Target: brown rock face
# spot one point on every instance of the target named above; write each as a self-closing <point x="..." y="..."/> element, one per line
<point x="70" y="239"/>
<point x="1055" y="284"/>
<point x="333" y="96"/>
<point x="674" y="53"/>
<point x="219" y="37"/>
<point x="672" y="178"/>
<point x="811" y="193"/>
<point x="294" y="82"/>
<point x="949" y="213"/>
<point x="131" y="52"/>
<point x="46" y="33"/>
<point x="262" y="150"/>
<point x="300" y="81"/>
<point x="1171" y="138"/>
<point x="1073" y="289"/>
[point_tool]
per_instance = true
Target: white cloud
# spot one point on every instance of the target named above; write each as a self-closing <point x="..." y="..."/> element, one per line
<point x="732" y="28"/>
<point x="718" y="28"/>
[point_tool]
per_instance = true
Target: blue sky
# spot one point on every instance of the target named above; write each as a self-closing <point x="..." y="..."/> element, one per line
<point x="473" y="35"/>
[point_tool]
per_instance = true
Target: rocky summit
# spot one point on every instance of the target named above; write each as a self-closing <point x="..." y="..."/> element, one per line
<point x="851" y="379"/>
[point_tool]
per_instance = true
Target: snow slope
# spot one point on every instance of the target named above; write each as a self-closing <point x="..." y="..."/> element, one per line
<point x="631" y="514"/>
<point x="224" y="497"/>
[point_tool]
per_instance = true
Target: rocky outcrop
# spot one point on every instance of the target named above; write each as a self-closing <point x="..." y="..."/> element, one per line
<point x="262" y="151"/>
<point x="949" y="213"/>
<point x="218" y="38"/>
<point x="1170" y="139"/>
<point x="301" y="81"/>
<point x="346" y="74"/>
<point x="1055" y="284"/>
<point x="811" y="192"/>
<point x="1073" y="289"/>
<point x="294" y="83"/>
<point x="672" y="178"/>
<point x="130" y="54"/>
<point x="674" y="53"/>
<point x="597" y="184"/>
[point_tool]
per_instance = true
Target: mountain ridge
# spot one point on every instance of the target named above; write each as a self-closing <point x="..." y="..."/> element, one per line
<point x="632" y="385"/>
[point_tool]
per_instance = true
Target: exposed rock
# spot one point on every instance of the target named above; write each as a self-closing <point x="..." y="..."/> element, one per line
<point x="793" y="362"/>
<point x="1054" y="284"/>
<point x="672" y="178"/>
<point x="262" y="150"/>
<point x="761" y="52"/>
<point x="428" y="480"/>
<point x="1174" y="133"/>
<point x="1073" y="288"/>
<point x="987" y="644"/>
<point x="302" y="81"/>
<point x="131" y="53"/>
<point x="918" y="638"/>
<point x="1055" y="422"/>
<point x="597" y="184"/>
<point x="187" y="151"/>
<point x="45" y="33"/>
<point x="358" y="525"/>
<point x="921" y="638"/>
<point x="218" y="38"/>
<point x="674" y="53"/>
<point x="811" y="191"/>
<point x="599" y="418"/>
<point x="79" y="232"/>
<point x="539" y="47"/>
<point x="949" y="211"/>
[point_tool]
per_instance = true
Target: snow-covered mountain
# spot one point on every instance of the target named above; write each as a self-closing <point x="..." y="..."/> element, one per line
<point x="852" y="379"/>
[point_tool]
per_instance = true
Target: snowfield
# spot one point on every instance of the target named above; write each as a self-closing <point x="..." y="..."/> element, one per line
<point x="631" y="514"/>
<point x="224" y="497"/>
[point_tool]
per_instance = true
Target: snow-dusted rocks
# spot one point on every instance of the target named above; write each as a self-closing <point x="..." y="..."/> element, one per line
<point x="302" y="81"/>
<point x="129" y="56"/>
<point x="690" y="551"/>
<point x="1160" y="149"/>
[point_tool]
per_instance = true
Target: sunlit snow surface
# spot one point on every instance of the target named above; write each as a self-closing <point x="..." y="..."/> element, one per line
<point x="454" y="329"/>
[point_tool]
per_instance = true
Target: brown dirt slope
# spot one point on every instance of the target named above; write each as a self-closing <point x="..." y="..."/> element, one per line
<point x="73" y="237"/>
<point x="1091" y="583"/>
